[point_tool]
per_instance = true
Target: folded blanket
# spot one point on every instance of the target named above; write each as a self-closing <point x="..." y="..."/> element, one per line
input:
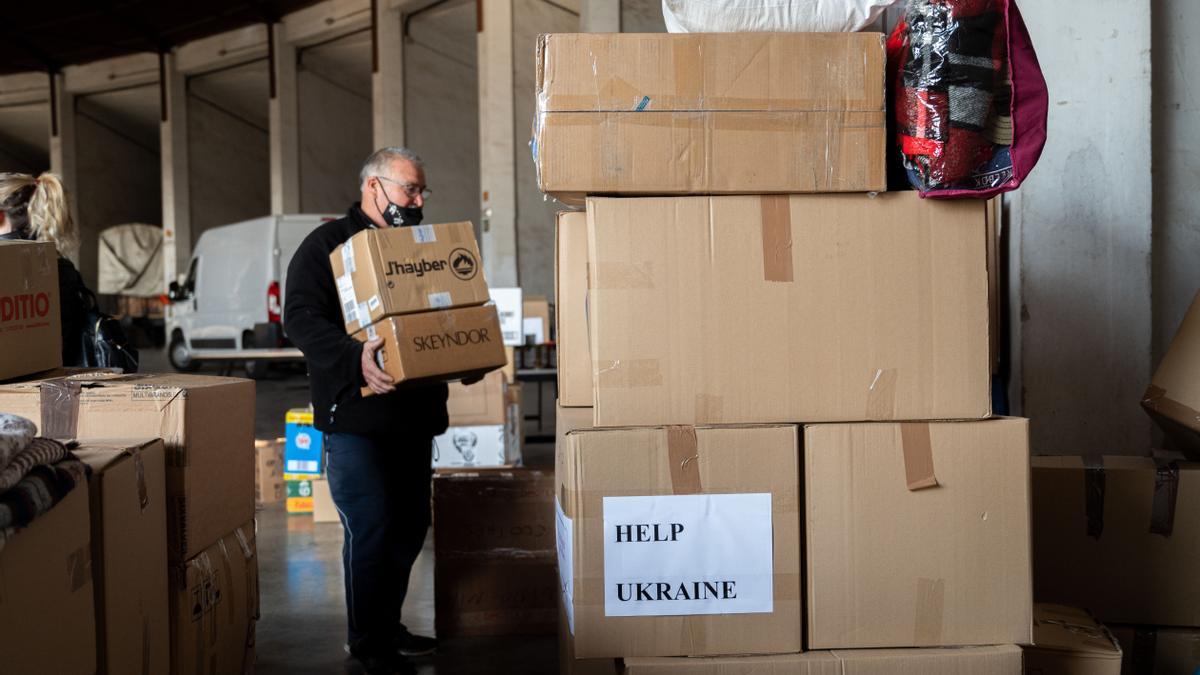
<point x="15" y="434"/>
<point x="40" y="451"/>
<point x="37" y="492"/>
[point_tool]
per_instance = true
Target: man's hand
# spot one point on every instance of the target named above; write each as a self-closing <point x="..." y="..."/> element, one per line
<point x="377" y="380"/>
<point x="472" y="380"/>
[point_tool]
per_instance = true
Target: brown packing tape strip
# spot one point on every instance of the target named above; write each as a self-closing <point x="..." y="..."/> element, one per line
<point x="1166" y="492"/>
<point x="79" y="567"/>
<point x="684" y="459"/>
<point x="776" y="238"/>
<point x="918" y="455"/>
<point x="930" y="612"/>
<point x="881" y="394"/>
<point x="687" y="58"/>
<point x="60" y="408"/>
<point x="1155" y="399"/>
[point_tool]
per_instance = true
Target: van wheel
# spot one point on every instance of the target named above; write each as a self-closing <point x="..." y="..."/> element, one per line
<point x="179" y="355"/>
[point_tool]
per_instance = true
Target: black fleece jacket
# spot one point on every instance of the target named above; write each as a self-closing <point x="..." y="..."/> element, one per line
<point x="313" y="321"/>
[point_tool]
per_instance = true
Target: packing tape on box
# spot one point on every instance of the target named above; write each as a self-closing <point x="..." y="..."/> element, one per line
<point x="1156" y="399"/>
<point x="881" y="394"/>
<point x="1094" y="486"/>
<point x="917" y="448"/>
<point x="930" y="604"/>
<point x="618" y="374"/>
<point x="60" y="408"/>
<point x="777" y="238"/>
<point x="1166" y="492"/>
<point x="684" y="459"/>
<point x="79" y="567"/>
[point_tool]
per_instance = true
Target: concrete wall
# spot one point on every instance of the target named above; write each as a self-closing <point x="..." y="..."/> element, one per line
<point x="642" y="16"/>
<point x="118" y="177"/>
<point x="1082" y="233"/>
<point x="1176" y="124"/>
<point x="229" y="168"/>
<point x="535" y="213"/>
<point x="25" y="137"/>
<point x="441" y="109"/>
<point x="334" y="90"/>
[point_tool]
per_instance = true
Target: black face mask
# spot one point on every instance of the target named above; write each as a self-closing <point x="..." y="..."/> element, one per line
<point x="399" y="216"/>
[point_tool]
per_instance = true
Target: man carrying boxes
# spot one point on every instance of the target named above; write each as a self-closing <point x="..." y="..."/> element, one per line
<point x="384" y="316"/>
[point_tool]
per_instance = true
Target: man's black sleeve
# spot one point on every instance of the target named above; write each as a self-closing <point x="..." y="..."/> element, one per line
<point x="313" y="320"/>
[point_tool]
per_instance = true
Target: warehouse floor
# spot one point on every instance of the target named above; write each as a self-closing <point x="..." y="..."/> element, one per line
<point x="303" y="623"/>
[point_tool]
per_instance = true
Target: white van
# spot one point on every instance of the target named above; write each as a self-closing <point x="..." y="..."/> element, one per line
<point x="232" y="297"/>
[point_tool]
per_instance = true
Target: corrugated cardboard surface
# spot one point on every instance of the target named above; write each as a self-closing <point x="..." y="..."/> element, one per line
<point x="1000" y="660"/>
<point x="946" y="565"/>
<point x="269" y="486"/>
<point x="493" y="534"/>
<point x="477" y="404"/>
<point x="820" y="308"/>
<point x="47" y="610"/>
<point x="626" y="462"/>
<point x="1070" y="641"/>
<point x="570" y="294"/>
<point x="714" y="113"/>
<point x="442" y="345"/>
<point x="30" y="320"/>
<point x="129" y="554"/>
<point x="206" y="423"/>
<point x="214" y="607"/>
<point x="1173" y="398"/>
<point x="397" y="270"/>
<point x="567" y="420"/>
<point x="537" y="308"/>
<point x="1126" y="573"/>
<point x="568" y="664"/>
<point x="1155" y="650"/>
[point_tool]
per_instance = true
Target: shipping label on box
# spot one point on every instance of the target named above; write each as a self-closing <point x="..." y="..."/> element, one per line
<point x="30" y="321"/>
<point x="470" y="447"/>
<point x="397" y="270"/>
<point x="304" y="450"/>
<point x="672" y="555"/>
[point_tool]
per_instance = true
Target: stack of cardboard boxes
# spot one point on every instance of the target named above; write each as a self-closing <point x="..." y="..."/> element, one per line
<point x="787" y="447"/>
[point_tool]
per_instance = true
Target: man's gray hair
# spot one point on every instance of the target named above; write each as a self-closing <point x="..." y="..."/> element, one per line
<point x="381" y="160"/>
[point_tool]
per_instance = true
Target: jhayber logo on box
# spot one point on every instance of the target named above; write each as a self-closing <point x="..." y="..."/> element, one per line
<point x="461" y="263"/>
<point x="24" y="306"/>
<point x="458" y="338"/>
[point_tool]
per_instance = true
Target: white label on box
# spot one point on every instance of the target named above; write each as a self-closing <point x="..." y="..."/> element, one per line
<point x="470" y="446"/>
<point x="302" y="466"/>
<point x="348" y="257"/>
<point x="677" y="555"/>
<point x="371" y="332"/>
<point x="564" y="531"/>
<point x="364" y="314"/>
<point x="441" y="299"/>
<point x="533" y="327"/>
<point x="510" y="309"/>
<point x="423" y="234"/>
<point x="374" y="303"/>
<point x="345" y="288"/>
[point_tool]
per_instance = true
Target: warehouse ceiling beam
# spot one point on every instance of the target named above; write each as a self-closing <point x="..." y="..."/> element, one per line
<point x="223" y="50"/>
<point x="116" y="73"/>
<point x="24" y="88"/>
<point x="327" y="21"/>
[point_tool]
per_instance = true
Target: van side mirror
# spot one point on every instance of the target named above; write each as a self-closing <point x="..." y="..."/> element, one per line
<point x="174" y="293"/>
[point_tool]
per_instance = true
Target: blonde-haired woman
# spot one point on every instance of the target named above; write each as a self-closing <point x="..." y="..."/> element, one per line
<point x="35" y="209"/>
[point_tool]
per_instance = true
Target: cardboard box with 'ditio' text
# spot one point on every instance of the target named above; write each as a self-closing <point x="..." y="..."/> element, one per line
<point x="30" y="321"/>
<point x="680" y="541"/>
<point x="386" y="271"/>
<point x="445" y="344"/>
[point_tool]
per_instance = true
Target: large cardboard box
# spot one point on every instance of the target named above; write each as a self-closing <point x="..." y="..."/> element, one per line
<point x="1000" y="660"/>
<point x="680" y="541"/>
<point x="478" y="404"/>
<point x="493" y="535"/>
<point x="535" y="320"/>
<point x="1070" y="641"/>
<point x="47" y="607"/>
<point x="30" y="320"/>
<point x="917" y="534"/>
<point x="568" y="664"/>
<point x="1120" y="536"/>
<point x="567" y="420"/>
<point x="269" y="485"/>
<point x="820" y="308"/>
<point x="1173" y="397"/>
<point x="206" y="422"/>
<point x="214" y="607"/>
<point x="713" y="113"/>
<point x="442" y="345"/>
<point x="1158" y="650"/>
<point x="397" y="270"/>
<point x="129" y="554"/>
<point x="570" y="294"/>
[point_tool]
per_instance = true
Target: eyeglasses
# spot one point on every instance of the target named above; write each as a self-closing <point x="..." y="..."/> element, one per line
<point x="410" y="189"/>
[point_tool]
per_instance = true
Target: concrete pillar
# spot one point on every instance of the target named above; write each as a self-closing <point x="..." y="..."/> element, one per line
<point x="1082" y="233"/>
<point x="600" y="16"/>
<point x="176" y="210"/>
<point x="63" y="157"/>
<point x="284" y="126"/>
<point x="387" y="77"/>
<point x="497" y="151"/>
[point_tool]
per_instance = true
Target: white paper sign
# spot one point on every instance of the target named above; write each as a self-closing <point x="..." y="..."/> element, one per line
<point x="675" y="555"/>
<point x="511" y="310"/>
<point x="564" y="531"/>
<point x="533" y="326"/>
